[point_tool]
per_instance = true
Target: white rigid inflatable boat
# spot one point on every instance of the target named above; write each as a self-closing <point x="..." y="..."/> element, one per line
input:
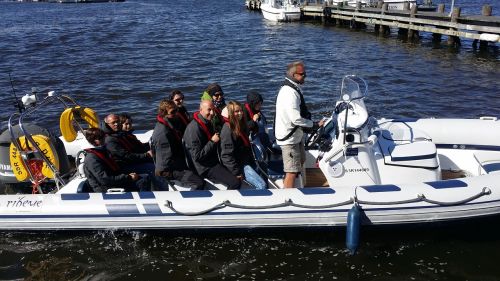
<point x="396" y="171"/>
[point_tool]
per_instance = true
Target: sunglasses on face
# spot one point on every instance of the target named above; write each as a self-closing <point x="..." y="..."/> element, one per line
<point x="179" y="99"/>
<point x="217" y="95"/>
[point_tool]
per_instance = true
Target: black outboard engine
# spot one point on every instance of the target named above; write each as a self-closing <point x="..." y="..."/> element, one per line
<point x="7" y="177"/>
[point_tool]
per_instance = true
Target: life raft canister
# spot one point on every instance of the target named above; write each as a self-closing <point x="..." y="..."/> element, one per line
<point x="19" y="168"/>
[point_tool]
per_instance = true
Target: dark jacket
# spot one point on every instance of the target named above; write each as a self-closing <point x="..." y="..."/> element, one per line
<point x="217" y="119"/>
<point x="202" y="150"/>
<point x="249" y="110"/>
<point x="124" y="150"/>
<point x="101" y="174"/>
<point x="167" y="148"/>
<point x="234" y="153"/>
<point x="182" y="119"/>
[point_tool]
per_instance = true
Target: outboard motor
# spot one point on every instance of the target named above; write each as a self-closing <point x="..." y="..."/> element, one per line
<point x="7" y="176"/>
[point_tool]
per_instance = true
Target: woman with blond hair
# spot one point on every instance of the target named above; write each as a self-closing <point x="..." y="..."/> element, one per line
<point x="236" y="153"/>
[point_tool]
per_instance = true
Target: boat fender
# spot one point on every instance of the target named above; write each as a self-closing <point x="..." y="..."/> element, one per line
<point x="67" y="118"/>
<point x="353" y="227"/>
<point x="17" y="164"/>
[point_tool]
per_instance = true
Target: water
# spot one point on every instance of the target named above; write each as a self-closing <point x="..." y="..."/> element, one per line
<point x="119" y="57"/>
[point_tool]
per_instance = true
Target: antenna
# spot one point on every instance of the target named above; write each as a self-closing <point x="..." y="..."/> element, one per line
<point x="18" y="104"/>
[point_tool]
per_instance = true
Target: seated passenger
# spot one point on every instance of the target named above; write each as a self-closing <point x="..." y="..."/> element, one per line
<point x="166" y="142"/>
<point x="103" y="172"/>
<point x="236" y="151"/>
<point x="202" y="143"/>
<point x="256" y="121"/>
<point x="128" y="131"/>
<point x="215" y="94"/>
<point x="182" y="114"/>
<point x="128" y="154"/>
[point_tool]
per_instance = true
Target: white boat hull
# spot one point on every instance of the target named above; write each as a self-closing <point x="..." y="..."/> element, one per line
<point x="283" y="14"/>
<point x="382" y="204"/>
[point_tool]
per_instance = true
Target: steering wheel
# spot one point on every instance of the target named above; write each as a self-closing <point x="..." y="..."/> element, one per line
<point x="314" y="138"/>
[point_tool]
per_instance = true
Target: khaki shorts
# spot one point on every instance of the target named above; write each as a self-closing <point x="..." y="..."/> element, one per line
<point x="294" y="155"/>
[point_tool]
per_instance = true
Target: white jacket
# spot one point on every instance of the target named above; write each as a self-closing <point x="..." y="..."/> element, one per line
<point x="288" y="116"/>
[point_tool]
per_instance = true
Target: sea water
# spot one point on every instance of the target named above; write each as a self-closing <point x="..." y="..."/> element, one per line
<point x="126" y="57"/>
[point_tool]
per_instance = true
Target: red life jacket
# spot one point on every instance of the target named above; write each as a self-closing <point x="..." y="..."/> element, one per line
<point x="250" y="112"/>
<point x="202" y="124"/>
<point x="125" y="142"/>
<point x="245" y="139"/>
<point x="168" y="125"/>
<point x="104" y="157"/>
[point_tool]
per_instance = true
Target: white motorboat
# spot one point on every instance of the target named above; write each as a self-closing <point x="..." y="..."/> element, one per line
<point x="280" y="10"/>
<point x="392" y="171"/>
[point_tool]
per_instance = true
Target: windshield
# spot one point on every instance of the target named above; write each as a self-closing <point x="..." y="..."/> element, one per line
<point x="353" y="88"/>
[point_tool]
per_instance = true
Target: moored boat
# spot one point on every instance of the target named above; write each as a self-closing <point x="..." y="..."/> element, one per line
<point x="397" y="171"/>
<point x="284" y="10"/>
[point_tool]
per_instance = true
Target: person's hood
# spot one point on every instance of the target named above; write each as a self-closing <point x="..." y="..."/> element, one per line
<point x="254" y="98"/>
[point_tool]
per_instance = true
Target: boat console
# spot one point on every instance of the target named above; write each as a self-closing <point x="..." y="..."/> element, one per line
<point x="356" y="148"/>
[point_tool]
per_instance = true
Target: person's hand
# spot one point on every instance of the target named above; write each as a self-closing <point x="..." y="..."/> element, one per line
<point x="240" y="177"/>
<point x="215" y="138"/>
<point x="134" y="176"/>
<point x="150" y="153"/>
<point x="321" y="122"/>
<point x="256" y="117"/>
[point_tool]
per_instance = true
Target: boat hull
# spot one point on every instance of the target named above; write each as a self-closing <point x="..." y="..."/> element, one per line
<point x="280" y="14"/>
<point x="305" y="207"/>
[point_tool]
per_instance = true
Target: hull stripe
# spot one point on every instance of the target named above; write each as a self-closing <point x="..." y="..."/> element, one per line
<point x="75" y="196"/>
<point x="152" y="209"/>
<point x="122" y="209"/>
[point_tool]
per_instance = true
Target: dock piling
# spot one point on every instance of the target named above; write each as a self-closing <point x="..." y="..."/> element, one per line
<point x="386" y="30"/>
<point x="440" y="8"/>
<point x="454" y="40"/>
<point x="486" y="11"/>
<point x="412" y="33"/>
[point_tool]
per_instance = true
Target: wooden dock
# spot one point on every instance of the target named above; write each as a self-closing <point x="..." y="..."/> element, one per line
<point x="482" y="29"/>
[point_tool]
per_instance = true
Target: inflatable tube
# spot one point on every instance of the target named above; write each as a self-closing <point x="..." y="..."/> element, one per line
<point x="18" y="167"/>
<point x="66" y="125"/>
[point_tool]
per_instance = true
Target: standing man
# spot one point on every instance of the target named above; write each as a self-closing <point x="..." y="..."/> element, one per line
<point x="290" y="119"/>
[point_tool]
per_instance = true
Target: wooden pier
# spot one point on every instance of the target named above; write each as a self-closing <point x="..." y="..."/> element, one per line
<point x="410" y="22"/>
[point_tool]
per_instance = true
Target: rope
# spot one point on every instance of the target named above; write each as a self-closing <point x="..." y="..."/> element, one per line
<point x="284" y="204"/>
<point x="485" y="191"/>
<point x="216" y="207"/>
<point x="348" y="202"/>
<point x="289" y="202"/>
<point x="414" y="200"/>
